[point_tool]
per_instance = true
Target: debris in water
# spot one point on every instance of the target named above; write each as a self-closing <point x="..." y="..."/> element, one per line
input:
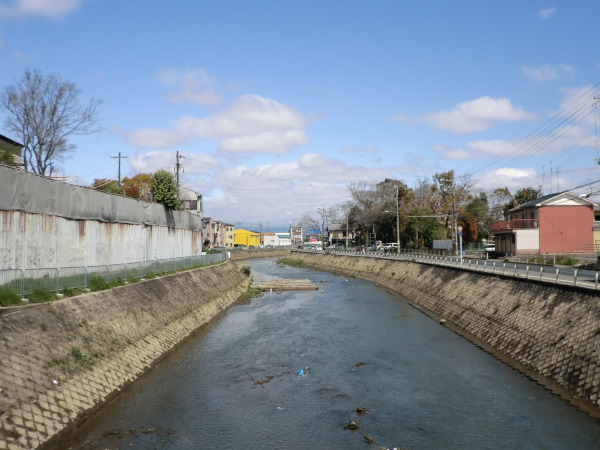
<point x="351" y="426"/>
<point x="303" y="371"/>
<point x="361" y="410"/>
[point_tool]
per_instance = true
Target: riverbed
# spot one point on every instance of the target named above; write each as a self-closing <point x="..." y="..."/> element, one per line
<point x="415" y="383"/>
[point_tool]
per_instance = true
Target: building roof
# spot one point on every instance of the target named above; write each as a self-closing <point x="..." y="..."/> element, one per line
<point x="336" y="227"/>
<point x="553" y="198"/>
<point x="10" y="141"/>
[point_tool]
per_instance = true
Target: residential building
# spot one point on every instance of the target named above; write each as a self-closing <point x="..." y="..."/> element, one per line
<point x="562" y="223"/>
<point x="340" y="234"/>
<point x="12" y="147"/>
<point x="229" y="234"/>
<point x="213" y="234"/>
<point x="277" y="239"/>
<point x="296" y="236"/>
<point x="190" y="200"/>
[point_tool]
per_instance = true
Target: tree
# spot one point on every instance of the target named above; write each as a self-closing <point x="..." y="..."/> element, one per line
<point x="138" y="186"/>
<point x="164" y="189"/>
<point x="107" y="186"/>
<point x="522" y="196"/>
<point x="45" y="112"/>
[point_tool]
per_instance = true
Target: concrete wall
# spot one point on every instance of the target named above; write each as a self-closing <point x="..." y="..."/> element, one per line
<point x="29" y="241"/>
<point x="528" y="241"/>
<point x="551" y="333"/>
<point x="61" y="359"/>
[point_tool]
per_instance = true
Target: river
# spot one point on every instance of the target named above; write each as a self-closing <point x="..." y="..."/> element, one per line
<point x="236" y="384"/>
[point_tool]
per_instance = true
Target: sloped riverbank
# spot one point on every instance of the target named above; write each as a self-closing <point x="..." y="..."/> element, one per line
<point x="60" y="360"/>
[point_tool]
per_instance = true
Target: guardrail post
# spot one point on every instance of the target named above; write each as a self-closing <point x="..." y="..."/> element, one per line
<point x="527" y="271"/>
<point x="575" y="277"/>
<point x="22" y="288"/>
<point x="503" y="268"/>
<point x="557" y="275"/>
<point x="541" y="272"/>
<point x="596" y="281"/>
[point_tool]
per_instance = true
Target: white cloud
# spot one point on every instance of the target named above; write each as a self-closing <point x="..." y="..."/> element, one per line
<point x="490" y="147"/>
<point x="48" y="8"/>
<point x="510" y="177"/>
<point x="547" y="72"/>
<point x="194" y="85"/>
<point x="251" y="124"/>
<point x="546" y="13"/>
<point x="453" y="153"/>
<point x="286" y="190"/>
<point x="475" y="115"/>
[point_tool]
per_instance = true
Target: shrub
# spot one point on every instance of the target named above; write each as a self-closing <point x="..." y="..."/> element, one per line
<point x="118" y="282"/>
<point x="71" y="292"/>
<point x="98" y="284"/>
<point x="246" y="270"/>
<point x="569" y="261"/>
<point x="41" y="296"/>
<point x="9" y="298"/>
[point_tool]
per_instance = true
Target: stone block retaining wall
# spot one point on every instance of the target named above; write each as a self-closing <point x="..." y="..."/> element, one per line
<point x="61" y="359"/>
<point x="549" y="332"/>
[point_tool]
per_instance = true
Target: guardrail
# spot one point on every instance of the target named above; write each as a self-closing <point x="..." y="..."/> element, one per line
<point x="55" y="279"/>
<point x="583" y="278"/>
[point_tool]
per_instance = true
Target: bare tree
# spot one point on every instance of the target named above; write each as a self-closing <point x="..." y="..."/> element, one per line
<point x="44" y="112"/>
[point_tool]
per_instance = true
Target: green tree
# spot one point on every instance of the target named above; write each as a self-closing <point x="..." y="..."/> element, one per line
<point x="164" y="189"/>
<point x="107" y="186"/>
<point x="478" y="207"/>
<point x="522" y="196"/>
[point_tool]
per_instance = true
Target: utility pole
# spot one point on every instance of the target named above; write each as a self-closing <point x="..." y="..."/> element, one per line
<point x="119" y="158"/>
<point x="323" y="213"/>
<point x="398" y="218"/>
<point x="177" y="167"/>
<point x="346" y="230"/>
<point x="454" y="230"/>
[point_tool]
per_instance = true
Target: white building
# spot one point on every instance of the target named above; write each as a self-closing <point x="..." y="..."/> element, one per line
<point x="277" y="239"/>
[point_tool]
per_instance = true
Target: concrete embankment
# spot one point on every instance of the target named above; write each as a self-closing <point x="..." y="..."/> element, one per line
<point x="550" y="333"/>
<point x="242" y="254"/>
<point x="60" y="360"/>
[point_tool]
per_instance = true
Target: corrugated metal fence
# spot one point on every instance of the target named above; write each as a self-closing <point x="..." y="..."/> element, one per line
<point x="54" y="279"/>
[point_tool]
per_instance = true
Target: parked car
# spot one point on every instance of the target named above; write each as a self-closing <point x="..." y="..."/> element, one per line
<point x="489" y="248"/>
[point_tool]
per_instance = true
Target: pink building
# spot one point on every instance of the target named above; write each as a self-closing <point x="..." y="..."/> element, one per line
<point x="552" y="224"/>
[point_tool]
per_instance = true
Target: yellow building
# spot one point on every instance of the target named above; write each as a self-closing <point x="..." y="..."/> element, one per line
<point x="245" y="238"/>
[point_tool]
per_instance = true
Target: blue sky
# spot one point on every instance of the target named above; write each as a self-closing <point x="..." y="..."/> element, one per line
<point x="278" y="106"/>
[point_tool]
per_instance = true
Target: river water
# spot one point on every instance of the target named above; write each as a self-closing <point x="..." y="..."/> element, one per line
<point x="237" y="385"/>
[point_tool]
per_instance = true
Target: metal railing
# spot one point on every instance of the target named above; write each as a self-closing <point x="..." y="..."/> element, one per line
<point x="56" y="279"/>
<point x="583" y="278"/>
<point x="513" y="224"/>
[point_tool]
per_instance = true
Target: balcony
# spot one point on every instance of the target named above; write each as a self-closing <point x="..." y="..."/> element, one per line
<point x="514" y="224"/>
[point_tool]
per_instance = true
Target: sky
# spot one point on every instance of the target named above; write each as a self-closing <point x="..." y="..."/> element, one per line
<point x="278" y="107"/>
